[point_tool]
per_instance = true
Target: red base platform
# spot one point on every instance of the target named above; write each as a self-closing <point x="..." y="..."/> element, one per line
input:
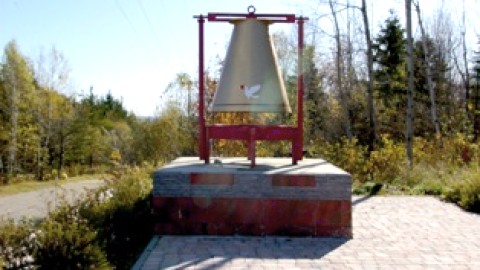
<point x="276" y="198"/>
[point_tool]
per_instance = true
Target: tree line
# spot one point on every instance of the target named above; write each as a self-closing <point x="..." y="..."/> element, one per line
<point x="391" y="83"/>
<point x="367" y="86"/>
<point x="368" y="95"/>
<point x="46" y="134"/>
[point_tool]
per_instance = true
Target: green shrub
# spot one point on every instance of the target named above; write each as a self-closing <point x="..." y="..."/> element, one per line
<point x="68" y="244"/>
<point x="423" y="179"/>
<point x="455" y="150"/>
<point x="18" y="243"/>
<point x="75" y="169"/>
<point x="454" y="183"/>
<point x="347" y="154"/>
<point x="447" y="166"/>
<point x="386" y="163"/>
<point x="118" y="214"/>
<point x="427" y="189"/>
<point x="108" y="228"/>
<point x="121" y="214"/>
<point x="464" y="189"/>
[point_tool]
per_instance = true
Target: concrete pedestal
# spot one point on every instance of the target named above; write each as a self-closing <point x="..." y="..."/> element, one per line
<point x="312" y="198"/>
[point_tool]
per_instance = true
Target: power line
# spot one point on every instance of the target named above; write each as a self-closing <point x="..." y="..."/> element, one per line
<point x="149" y="22"/>
<point x="125" y="16"/>
<point x="139" y="38"/>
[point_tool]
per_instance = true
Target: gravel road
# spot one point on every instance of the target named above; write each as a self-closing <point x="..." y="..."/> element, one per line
<point x="37" y="204"/>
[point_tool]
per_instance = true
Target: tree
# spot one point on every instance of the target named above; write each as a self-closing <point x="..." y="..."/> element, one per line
<point x="52" y="72"/>
<point x="316" y="99"/>
<point x="389" y="55"/>
<point x="63" y="129"/>
<point x="286" y="50"/>
<point x="162" y="138"/>
<point x="450" y="93"/>
<point x="182" y="86"/>
<point x="17" y="81"/>
<point x="424" y="123"/>
<point x="409" y="124"/>
<point x="390" y="75"/>
<point x="371" y="109"/>
<point x="431" y="90"/>
<point x="97" y="123"/>
<point x="466" y="75"/>
<point x="344" y="97"/>
<point x="475" y="98"/>
<point x="3" y="125"/>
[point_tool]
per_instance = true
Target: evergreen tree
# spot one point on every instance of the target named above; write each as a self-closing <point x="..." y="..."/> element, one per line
<point x="439" y="68"/>
<point x="389" y="57"/>
<point x="474" y="102"/>
<point x="390" y="76"/>
<point x="315" y="105"/>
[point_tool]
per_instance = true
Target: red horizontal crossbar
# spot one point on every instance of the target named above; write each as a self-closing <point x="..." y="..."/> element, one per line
<point x="225" y="17"/>
<point x="244" y="132"/>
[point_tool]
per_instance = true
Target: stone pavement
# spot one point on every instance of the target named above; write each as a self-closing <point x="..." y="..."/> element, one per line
<point x="388" y="233"/>
<point x="37" y="204"/>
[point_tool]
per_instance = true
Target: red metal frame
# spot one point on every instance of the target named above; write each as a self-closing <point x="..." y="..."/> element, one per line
<point x="250" y="133"/>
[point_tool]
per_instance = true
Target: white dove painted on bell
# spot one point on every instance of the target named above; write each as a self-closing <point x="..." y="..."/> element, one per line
<point x="251" y="91"/>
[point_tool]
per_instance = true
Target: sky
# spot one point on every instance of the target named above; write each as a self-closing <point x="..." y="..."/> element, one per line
<point x="134" y="48"/>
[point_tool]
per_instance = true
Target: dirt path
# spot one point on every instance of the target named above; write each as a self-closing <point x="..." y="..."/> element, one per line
<point x="37" y="204"/>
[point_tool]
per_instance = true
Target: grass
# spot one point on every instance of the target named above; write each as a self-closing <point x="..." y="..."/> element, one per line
<point x="456" y="184"/>
<point x="32" y="185"/>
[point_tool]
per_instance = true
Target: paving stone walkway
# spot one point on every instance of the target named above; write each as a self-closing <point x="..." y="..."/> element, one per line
<point x="389" y="233"/>
<point x="37" y="204"/>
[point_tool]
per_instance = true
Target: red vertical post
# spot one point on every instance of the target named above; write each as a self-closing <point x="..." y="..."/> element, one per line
<point x="298" y="148"/>
<point x="202" y="144"/>
<point x="251" y="147"/>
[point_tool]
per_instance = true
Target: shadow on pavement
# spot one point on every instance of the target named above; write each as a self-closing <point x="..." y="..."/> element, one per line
<point x="212" y="252"/>
<point x="358" y="200"/>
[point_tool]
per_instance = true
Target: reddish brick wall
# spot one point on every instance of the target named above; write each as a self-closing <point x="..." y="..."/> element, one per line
<point x="279" y="180"/>
<point x="312" y="198"/>
<point x="250" y="216"/>
<point x="211" y="179"/>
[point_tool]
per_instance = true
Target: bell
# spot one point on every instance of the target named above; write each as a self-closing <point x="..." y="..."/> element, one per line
<point x="250" y="79"/>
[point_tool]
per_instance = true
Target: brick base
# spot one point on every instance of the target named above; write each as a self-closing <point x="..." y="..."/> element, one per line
<point x="227" y="216"/>
<point x="303" y="201"/>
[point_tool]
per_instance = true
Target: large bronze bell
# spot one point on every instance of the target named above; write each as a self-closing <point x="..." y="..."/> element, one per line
<point x="250" y="79"/>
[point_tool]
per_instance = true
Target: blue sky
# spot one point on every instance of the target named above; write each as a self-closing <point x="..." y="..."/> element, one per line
<point x="133" y="48"/>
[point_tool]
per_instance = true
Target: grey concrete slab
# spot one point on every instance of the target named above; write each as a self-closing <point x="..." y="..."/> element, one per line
<point x="331" y="182"/>
<point x="242" y="165"/>
<point x="388" y="233"/>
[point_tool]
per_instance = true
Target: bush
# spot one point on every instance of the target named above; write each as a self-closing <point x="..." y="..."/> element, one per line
<point x="382" y="165"/>
<point x="108" y="228"/>
<point x="18" y="243"/>
<point x="386" y="163"/>
<point x="464" y="189"/>
<point x="68" y="244"/>
<point x="121" y="214"/>
<point x="423" y="179"/>
<point x="64" y="176"/>
<point x="446" y="167"/>
<point x="454" y="151"/>
<point x="347" y="154"/>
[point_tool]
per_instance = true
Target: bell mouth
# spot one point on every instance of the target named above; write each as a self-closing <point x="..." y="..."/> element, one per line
<point x="257" y="108"/>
